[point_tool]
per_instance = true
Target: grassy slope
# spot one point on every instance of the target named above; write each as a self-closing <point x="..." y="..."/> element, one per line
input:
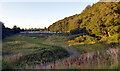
<point x="104" y="43"/>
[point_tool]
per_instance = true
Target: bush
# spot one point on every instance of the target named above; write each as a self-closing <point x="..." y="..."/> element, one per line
<point x="76" y="31"/>
<point x="81" y="31"/>
<point x="85" y="38"/>
<point x="115" y="38"/>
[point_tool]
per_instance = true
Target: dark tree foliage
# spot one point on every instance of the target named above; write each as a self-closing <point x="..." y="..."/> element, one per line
<point x="35" y="29"/>
<point x="81" y="31"/>
<point x="76" y="31"/>
<point x="8" y="32"/>
<point x="16" y="29"/>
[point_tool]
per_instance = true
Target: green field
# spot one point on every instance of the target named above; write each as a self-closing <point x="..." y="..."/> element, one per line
<point x="22" y="50"/>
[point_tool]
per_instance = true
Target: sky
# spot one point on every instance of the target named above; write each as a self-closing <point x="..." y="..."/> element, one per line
<point x="38" y="14"/>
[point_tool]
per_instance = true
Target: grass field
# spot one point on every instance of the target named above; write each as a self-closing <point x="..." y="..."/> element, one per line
<point x="21" y="51"/>
<point x="25" y="50"/>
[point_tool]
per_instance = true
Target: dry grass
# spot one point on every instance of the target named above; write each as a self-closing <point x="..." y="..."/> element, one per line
<point x="15" y="42"/>
<point x="28" y="45"/>
<point x="76" y="43"/>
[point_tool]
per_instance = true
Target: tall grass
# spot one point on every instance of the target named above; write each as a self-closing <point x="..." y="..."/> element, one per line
<point x="105" y="59"/>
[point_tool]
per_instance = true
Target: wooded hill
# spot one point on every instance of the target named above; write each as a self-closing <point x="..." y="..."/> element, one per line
<point x="100" y="19"/>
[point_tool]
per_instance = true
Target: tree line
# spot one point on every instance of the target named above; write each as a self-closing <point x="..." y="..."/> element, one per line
<point x="12" y="31"/>
<point x="8" y="31"/>
<point x="34" y="29"/>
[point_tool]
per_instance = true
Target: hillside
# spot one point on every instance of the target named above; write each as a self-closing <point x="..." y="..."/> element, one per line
<point x="100" y="19"/>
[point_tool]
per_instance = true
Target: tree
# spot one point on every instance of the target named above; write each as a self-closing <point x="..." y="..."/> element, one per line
<point x="16" y="29"/>
<point x="45" y="29"/>
<point x="8" y="32"/>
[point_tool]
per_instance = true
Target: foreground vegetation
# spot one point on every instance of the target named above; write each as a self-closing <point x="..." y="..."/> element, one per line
<point x="22" y="51"/>
<point x="102" y="54"/>
<point x="106" y="59"/>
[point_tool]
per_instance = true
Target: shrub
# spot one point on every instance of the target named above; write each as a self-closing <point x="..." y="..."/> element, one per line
<point x="85" y="38"/>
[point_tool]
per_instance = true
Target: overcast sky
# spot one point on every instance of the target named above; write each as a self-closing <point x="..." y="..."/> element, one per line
<point x="29" y="14"/>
